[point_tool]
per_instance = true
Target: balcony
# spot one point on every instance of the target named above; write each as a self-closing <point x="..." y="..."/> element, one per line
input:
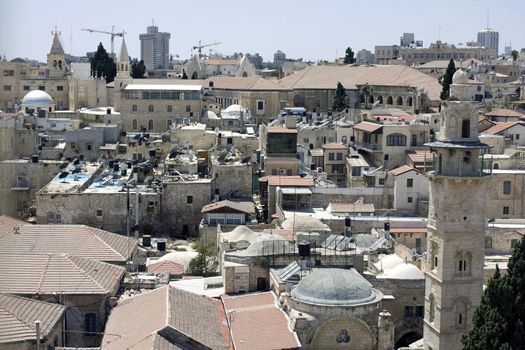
<point x="370" y="147"/>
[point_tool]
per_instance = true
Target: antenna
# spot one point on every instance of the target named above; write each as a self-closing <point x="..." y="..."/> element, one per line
<point x="488" y="13"/>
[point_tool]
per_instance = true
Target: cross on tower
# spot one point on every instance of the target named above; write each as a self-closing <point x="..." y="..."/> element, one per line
<point x="56" y="32"/>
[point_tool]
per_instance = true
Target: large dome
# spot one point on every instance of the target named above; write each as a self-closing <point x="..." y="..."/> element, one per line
<point x="460" y="77"/>
<point x="37" y="98"/>
<point x="335" y="287"/>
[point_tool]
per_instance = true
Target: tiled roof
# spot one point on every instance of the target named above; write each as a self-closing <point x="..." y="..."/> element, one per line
<point x="7" y="224"/>
<point x="293" y="181"/>
<point x="46" y="274"/>
<point x="368" y="127"/>
<point x="78" y="240"/>
<point x="18" y="316"/>
<point x="499" y="127"/>
<point x="171" y="267"/>
<point x="419" y="155"/>
<point x="245" y="207"/>
<point x="281" y="130"/>
<point x="401" y="170"/>
<point x="327" y="77"/>
<point x="505" y="113"/>
<point x="243" y="83"/>
<point x="316" y="152"/>
<point x="138" y="321"/>
<point x="443" y="64"/>
<point x="335" y="145"/>
<point x="485" y="124"/>
<point x="352" y="208"/>
<point x="259" y="323"/>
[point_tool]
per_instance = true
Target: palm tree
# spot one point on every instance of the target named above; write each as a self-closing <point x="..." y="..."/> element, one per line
<point x="367" y="90"/>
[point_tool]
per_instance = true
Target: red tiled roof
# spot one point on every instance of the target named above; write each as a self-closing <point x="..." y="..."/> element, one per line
<point x="499" y="127"/>
<point x="281" y="130"/>
<point x="259" y="323"/>
<point x="419" y="155"/>
<point x="401" y="170"/>
<point x="171" y="267"/>
<point x="505" y="113"/>
<point x="290" y="181"/>
<point x="368" y="127"/>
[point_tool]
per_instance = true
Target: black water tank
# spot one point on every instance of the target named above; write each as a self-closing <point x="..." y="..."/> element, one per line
<point x="352" y="138"/>
<point x="386" y="157"/>
<point x="34" y="158"/>
<point x="313" y="166"/>
<point x="146" y="240"/>
<point x="304" y="249"/>
<point x="81" y="157"/>
<point x="161" y="245"/>
<point x="111" y="163"/>
<point x="311" y="146"/>
<point x="348" y="221"/>
<point x="108" y="111"/>
<point x="152" y="152"/>
<point x="387" y="226"/>
<point x="116" y="167"/>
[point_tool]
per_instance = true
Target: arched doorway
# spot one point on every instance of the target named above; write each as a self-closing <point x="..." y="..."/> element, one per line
<point x="407" y="339"/>
<point x="298" y="101"/>
<point x="195" y="75"/>
<point x="244" y="74"/>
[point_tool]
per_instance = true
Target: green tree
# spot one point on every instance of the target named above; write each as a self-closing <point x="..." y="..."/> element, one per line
<point x="447" y="80"/>
<point x="514" y="55"/>
<point x="349" y="56"/>
<point x="102" y="65"/>
<point x="339" y="102"/>
<point x="205" y="263"/>
<point x="498" y="320"/>
<point x="367" y="90"/>
<point x="138" y="68"/>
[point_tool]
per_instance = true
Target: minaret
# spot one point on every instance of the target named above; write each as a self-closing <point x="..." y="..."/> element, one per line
<point x="56" y="58"/>
<point x="456" y="222"/>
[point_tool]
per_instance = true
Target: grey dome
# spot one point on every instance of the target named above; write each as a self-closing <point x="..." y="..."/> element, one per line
<point x="337" y="287"/>
<point x="37" y="98"/>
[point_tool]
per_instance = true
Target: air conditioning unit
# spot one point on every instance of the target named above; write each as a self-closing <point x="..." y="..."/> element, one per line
<point x="282" y="171"/>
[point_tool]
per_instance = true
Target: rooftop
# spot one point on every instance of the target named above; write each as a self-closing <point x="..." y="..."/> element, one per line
<point x="352" y="207"/>
<point x="504" y="113"/>
<point x="401" y="170"/>
<point x="164" y="87"/>
<point x="294" y="181"/>
<point x="281" y="130"/>
<point x="47" y="274"/>
<point x="499" y="127"/>
<point x="79" y="240"/>
<point x="258" y="323"/>
<point x="227" y="205"/>
<point x="368" y="127"/>
<point x="18" y="316"/>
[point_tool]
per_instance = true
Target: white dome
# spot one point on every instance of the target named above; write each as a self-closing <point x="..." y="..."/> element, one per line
<point x="234" y="108"/>
<point x="404" y="272"/>
<point x="210" y="115"/>
<point x="37" y="98"/>
<point x="388" y="262"/>
<point x="460" y="77"/>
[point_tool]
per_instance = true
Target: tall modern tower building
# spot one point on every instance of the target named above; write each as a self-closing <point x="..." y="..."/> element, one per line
<point x="456" y="222"/>
<point x="489" y="38"/>
<point x="155" y="48"/>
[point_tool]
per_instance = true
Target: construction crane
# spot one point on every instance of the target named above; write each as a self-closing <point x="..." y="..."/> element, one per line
<point x="200" y="46"/>
<point x="113" y="35"/>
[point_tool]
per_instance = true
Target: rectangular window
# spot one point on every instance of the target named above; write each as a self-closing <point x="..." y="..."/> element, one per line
<point x="410" y="199"/>
<point x="170" y="108"/>
<point x="381" y="181"/>
<point x="506" y="187"/>
<point x="338" y="169"/>
<point x="189" y="199"/>
<point x="339" y="156"/>
<point x="7" y="87"/>
<point x="134" y="108"/>
<point x="99" y="212"/>
<point x="9" y="73"/>
<point x="60" y="88"/>
<point x="42" y="88"/>
<point x="506" y="211"/>
<point x="410" y="182"/>
<point x="90" y="324"/>
<point x="419" y="311"/>
<point x="150" y="108"/>
<point x="517" y="136"/>
<point x="513" y="243"/>
<point x="330" y="156"/>
<point x="26" y="87"/>
<point x="260" y="105"/>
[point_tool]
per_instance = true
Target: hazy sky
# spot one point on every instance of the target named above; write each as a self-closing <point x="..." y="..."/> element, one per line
<point x="309" y="29"/>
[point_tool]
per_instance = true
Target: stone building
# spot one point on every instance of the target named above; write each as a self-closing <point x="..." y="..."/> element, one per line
<point x="334" y="163"/>
<point x="456" y="223"/>
<point x="410" y="191"/>
<point x="199" y="68"/>
<point x="330" y="308"/>
<point x="22" y="179"/>
<point x="12" y="128"/>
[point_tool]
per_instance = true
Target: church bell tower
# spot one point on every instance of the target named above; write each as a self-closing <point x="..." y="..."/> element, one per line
<point x="456" y="222"/>
<point x="56" y="58"/>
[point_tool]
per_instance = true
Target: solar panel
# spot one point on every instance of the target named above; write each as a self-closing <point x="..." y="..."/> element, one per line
<point x="290" y="270"/>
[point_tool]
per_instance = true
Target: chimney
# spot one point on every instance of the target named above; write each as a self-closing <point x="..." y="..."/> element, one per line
<point x="37" y="331"/>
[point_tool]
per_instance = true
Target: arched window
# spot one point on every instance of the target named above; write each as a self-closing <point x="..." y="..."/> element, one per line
<point x="389" y="100"/>
<point x="410" y="102"/>
<point x="150" y="124"/>
<point x="371" y="99"/>
<point x="396" y="140"/>
<point x="59" y="64"/>
<point x="380" y="99"/>
<point x="362" y="98"/>
<point x="399" y="101"/>
<point x="195" y="75"/>
<point x="244" y="74"/>
<point x="134" y="124"/>
<point x="495" y="166"/>
<point x="210" y="84"/>
<point x="431" y="308"/>
<point x="461" y="314"/>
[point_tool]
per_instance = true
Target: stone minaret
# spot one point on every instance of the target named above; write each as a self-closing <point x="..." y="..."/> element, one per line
<point x="56" y="58"/>
<point x="456" y="222"/>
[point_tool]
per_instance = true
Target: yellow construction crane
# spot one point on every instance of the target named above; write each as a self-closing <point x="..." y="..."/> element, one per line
<point x="200" y="46"/>
<point x="112" y="33"/>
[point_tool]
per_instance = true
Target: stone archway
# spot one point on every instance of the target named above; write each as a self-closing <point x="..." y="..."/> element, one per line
<point x="407" y="339"/>
<point x="244" y="74"/>
<point x="343" y="333"/>
<point x="195" y="75"/>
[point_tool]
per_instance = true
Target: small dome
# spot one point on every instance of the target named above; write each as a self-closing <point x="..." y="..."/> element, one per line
<point x="304" y="224"/>
<point x="210" y="115"/>
<point x="460" y="77"/>
<point x="336" y="287"/>
<point x="37" y="98"/>
<point x="388" y="262"/>
<point x="404" y="272"/>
